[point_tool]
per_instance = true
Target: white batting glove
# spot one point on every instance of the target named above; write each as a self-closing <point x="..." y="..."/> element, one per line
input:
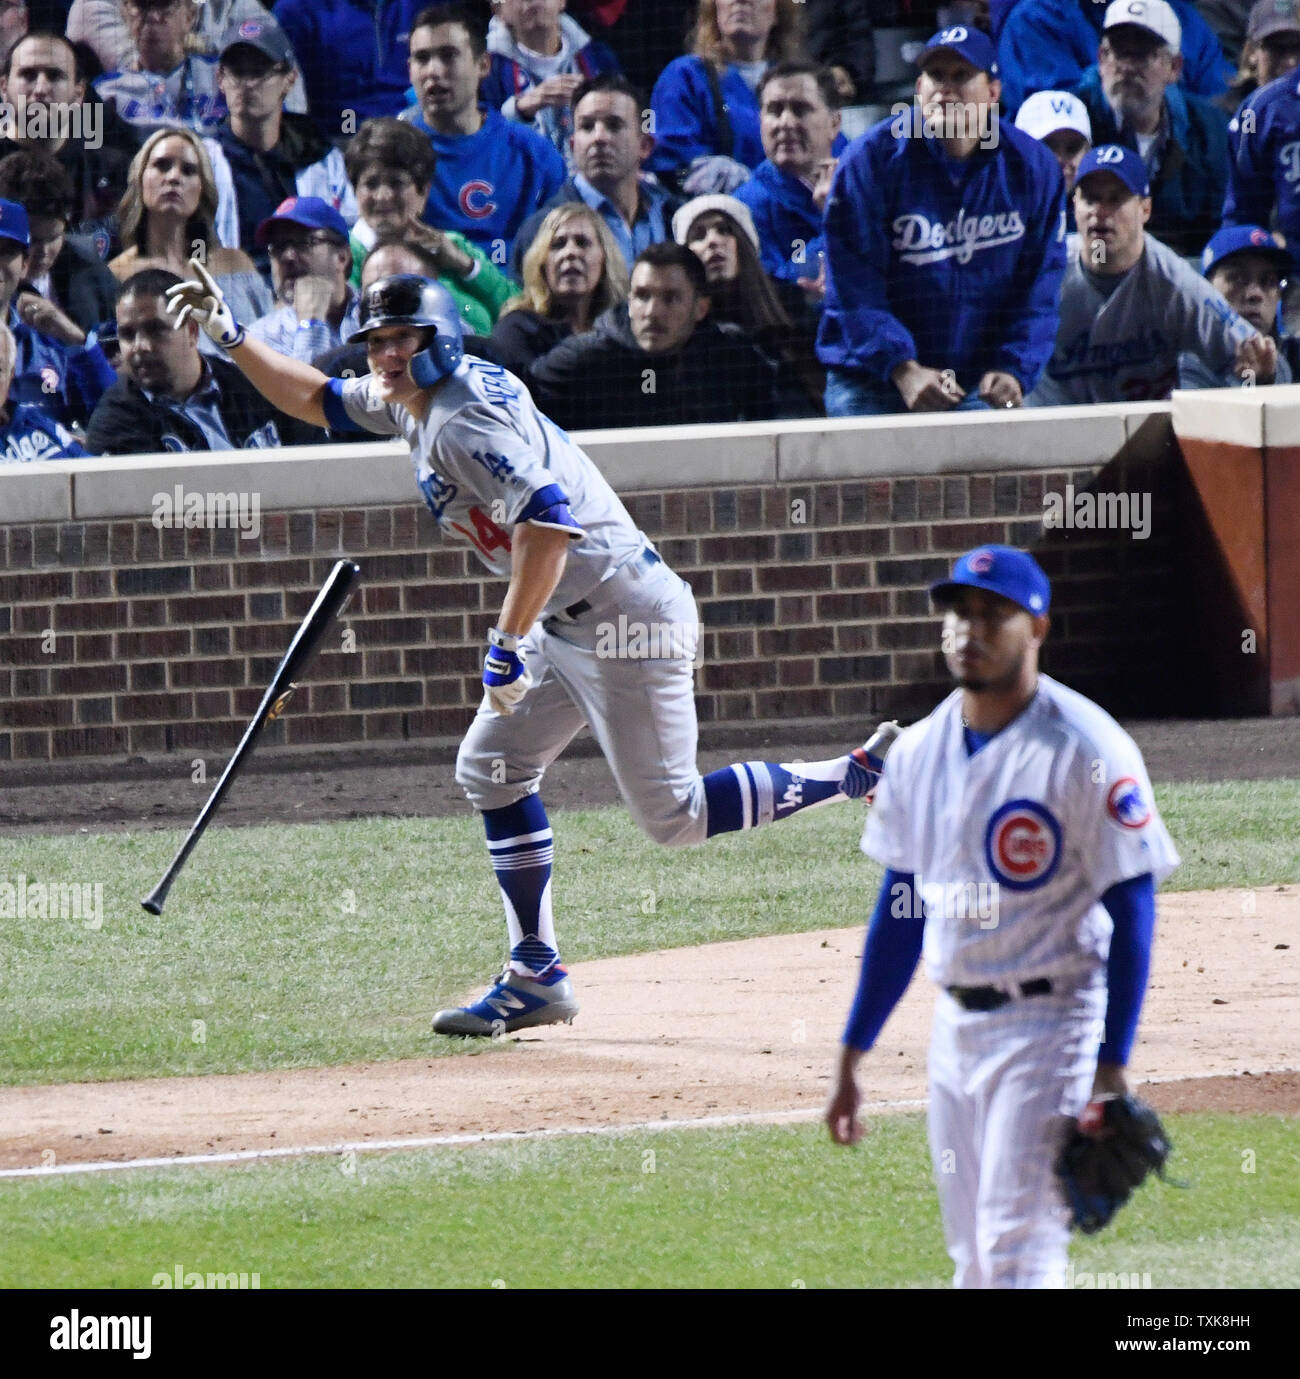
<point x="505" y="677"/>
<point x="201" y="300"/>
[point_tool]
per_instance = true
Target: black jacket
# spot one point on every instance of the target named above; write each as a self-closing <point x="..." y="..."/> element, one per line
<point x="98" y="176"/>
<point x="838" y="33"/>
<point x="521" y="337"/>
<point x="263" y="180"/>
<point x="126" y="423"/>
<point x="84" y="289"/>
<point x="603" y="378"/>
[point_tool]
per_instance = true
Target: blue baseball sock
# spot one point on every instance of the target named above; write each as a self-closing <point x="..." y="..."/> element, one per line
<point x="521" y="847"/>
<point x="752" y="793"/>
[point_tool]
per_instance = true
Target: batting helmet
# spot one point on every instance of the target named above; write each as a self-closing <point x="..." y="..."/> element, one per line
<point x="406" y="299"/>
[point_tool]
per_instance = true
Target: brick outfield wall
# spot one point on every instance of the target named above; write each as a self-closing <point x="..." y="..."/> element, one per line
<point x="164" y="641"/>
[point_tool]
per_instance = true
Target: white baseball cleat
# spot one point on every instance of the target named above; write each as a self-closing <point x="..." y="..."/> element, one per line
<point x="514" y="1002"/>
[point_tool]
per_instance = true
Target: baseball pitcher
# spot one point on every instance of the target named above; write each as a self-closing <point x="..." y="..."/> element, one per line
<point x="1022" y="848"/>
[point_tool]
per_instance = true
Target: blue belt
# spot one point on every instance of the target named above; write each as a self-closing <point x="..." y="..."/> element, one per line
<point x="644" y="559"/>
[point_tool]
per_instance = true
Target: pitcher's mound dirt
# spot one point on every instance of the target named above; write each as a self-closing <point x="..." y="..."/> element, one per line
<point x="728" y="1028"/>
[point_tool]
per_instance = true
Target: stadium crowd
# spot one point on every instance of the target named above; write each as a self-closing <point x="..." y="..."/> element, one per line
<point x="647" y="209"/>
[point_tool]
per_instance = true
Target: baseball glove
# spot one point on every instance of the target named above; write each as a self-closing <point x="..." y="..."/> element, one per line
<point x="1117" y="1142"/>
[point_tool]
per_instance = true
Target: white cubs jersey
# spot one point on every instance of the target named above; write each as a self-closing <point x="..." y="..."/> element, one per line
<point x="481" y="453"/>
<point x="1012" y="848"/>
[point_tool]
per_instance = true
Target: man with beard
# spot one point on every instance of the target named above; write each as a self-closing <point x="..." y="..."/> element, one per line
<point x="1023" y="849"/>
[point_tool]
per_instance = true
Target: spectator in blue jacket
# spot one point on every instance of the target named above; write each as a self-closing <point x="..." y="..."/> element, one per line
<point x="1264" y="162"/>
<point x="57" y="365"/>
<point x="1048" y="44"/>
<point x="353" y="57"/>
<point x="799" y="110"/>
<point x="705" y="107"/>
<point x="945" y="250"/>
<point x="1133" y="99"/>
<point x="26" y="432"/>
<point x="492" y="173"/>
<point x="540" y="57"/>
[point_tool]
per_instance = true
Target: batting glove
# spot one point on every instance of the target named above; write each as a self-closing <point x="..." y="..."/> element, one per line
<point x="505" y="677"/>
<point x="201" y="299"/>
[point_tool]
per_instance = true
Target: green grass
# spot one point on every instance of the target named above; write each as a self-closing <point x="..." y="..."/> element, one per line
<point x="318" y="944"/>
<point x="773" y="1207"/>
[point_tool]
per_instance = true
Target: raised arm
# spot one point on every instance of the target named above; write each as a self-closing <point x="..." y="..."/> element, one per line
<point x="297" y="389"/>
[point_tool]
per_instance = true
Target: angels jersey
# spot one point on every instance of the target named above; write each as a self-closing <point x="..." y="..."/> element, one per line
<point x="1012" y="848"/>
<point x="481" y="455"/>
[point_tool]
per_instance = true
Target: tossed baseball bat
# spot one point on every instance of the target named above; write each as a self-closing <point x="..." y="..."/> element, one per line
<point x="329" y="601"/>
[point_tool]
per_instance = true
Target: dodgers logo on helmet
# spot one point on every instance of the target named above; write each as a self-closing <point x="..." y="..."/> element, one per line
<point x="1022" y="845"/>
<point x="1126" y="805"/>
<point x="982" y="562"/>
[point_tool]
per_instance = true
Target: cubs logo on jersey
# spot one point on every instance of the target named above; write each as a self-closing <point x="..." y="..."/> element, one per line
<point x="1126" y="805"/>
<point x="1022" y="844"/>
<point x="476" y="199"/>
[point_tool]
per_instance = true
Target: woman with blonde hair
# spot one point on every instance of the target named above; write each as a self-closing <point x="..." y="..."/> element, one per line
<point x="705" y="105"/>
<point x="573" y="271"/>
<point x="167" y="216"/>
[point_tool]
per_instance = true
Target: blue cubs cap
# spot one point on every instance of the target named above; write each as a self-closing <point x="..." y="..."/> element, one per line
<point x="308" y="211"/>
<point x="1004" y="570"/>
<point x="262" y="34"/>
<point x="967" y="41"/>
<point x="1125" y="163"/>
<point x="13" y="223"/>
<point x="1243" y="239"/>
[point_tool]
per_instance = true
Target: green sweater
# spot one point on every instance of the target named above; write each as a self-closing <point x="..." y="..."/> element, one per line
<point x="479" y="298"/>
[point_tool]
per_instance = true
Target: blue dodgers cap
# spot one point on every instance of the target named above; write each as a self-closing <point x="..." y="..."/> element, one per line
<point x="1243" y="239"/>
<point x="969" y="42"/>
<point x="13" y="223"/>
<point x="1124" y="163"/>
<point x="1004" y="570"/>
<point x="308" y="211"/>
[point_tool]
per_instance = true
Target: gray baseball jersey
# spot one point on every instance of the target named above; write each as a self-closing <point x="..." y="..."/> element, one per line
<point x="484" y="458"/>
<point x="1125" y="345"/>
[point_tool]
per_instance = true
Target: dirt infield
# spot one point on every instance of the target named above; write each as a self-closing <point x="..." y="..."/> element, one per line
<point x="689" y="1033"/>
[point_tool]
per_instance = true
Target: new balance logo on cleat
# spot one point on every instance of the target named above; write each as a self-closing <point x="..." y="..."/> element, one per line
<point x="505" y="1002"/>
<point x="514" y="1002"/>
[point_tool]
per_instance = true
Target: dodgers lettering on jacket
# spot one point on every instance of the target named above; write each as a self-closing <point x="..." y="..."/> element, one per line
<point x="954" y="264"/>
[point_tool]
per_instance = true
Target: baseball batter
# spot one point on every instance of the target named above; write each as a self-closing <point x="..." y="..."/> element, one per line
<point x="1022" y="849"/>
<point x="595" y="629"/>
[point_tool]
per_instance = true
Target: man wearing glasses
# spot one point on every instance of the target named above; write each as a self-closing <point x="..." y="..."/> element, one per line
<point x="311" y="258"/>
<point x="271" y="154"/>
<point x="1133" y="99"/>
<point x="165" y="85"/>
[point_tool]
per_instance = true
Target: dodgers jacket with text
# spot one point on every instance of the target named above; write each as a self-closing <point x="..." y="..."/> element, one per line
<point x="956" y="264"/>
